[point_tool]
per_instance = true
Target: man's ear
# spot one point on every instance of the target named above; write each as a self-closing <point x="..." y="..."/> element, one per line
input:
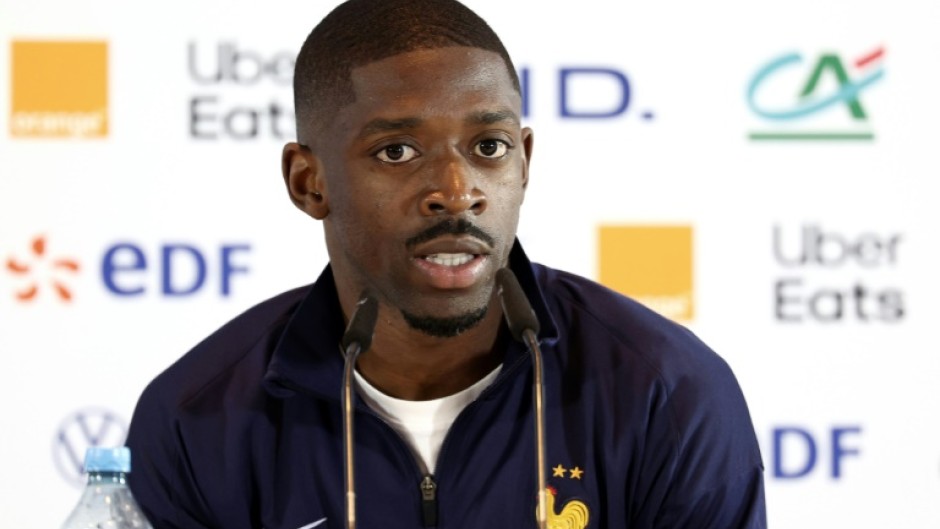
<point x="303" y="176"/>
<point x="527" y="138"/>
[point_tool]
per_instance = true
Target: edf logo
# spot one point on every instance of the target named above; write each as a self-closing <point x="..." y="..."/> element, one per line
<point x="126" y="269"/>
<point x="180" y="269"/>
<point x="797" y="452"/>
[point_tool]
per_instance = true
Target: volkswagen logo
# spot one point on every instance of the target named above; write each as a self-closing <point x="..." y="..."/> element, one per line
<point x="79" y="431"/>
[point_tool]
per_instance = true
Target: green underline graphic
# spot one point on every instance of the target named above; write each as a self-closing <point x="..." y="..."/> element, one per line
<point x="812" y="136"/>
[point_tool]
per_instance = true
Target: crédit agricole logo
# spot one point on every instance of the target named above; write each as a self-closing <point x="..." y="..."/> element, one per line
<point x="802" y="99"/>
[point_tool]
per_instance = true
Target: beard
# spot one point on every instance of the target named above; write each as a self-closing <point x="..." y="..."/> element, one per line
<point x="445" y="327"/>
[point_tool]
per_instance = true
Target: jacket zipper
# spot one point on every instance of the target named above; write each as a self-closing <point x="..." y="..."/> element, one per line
<point x="429" y="501"/>
<point x="485" y="394"/>
<point x="428" y="485"/>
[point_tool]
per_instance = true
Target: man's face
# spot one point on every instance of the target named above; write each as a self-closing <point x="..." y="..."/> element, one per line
<point x="424" y="176"/>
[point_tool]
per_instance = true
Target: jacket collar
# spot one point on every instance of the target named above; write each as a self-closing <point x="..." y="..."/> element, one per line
<point x="308" y="357"/>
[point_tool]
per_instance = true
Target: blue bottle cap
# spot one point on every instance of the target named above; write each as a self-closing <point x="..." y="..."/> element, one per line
<point x="108" y="459"/>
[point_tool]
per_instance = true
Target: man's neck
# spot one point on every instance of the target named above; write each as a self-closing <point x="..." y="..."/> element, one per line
<point x="407" y="364"/>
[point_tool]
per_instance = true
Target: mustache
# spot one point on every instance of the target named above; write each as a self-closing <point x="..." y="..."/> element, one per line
<point x="451" y="226"/>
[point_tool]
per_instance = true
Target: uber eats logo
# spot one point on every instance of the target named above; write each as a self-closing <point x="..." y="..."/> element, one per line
<point x="832" y="276"/>
<point x="242" y="94"/>
<point x="652" y="264"/>
<point x="58" y="89"/>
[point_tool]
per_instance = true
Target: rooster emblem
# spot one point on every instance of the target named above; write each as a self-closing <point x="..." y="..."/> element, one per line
<point x="574" y="515"/>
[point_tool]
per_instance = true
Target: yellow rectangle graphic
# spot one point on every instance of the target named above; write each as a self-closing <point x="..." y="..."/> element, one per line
<point x="650" y="263"/>
<point x="59" y="88"/>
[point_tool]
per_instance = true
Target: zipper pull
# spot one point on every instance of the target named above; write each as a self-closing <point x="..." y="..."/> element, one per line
<point x="429" y="501"/>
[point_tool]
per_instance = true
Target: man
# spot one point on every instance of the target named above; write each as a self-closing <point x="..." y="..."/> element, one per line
<point x="411" y="153"/>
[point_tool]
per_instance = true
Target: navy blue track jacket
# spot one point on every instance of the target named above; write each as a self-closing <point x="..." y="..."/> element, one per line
<point x="645" y="427"/>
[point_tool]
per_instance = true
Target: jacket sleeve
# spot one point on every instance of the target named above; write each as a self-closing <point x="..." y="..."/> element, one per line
<point x="737" y="503"/>
<point x="159" y="477"/>
<point x="709" y="473"/>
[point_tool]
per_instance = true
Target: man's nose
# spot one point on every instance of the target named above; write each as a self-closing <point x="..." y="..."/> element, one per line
<point x="453" y="191"/>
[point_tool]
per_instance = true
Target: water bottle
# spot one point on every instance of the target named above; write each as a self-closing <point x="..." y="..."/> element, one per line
<point x="107" y="502"/>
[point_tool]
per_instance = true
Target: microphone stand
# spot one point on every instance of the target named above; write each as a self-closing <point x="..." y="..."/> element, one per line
<point x="352" y="353"/>
<point x="356" y="339"/>
<point x="538" y="395"/>
<point x="524" y="326"/>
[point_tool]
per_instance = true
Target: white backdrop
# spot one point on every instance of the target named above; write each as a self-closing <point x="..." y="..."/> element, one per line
<point x="782" y="232"/>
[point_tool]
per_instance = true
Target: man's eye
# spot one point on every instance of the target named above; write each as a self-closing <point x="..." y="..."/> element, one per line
<point x="396" y="153"/>
<point x="491" y="148"/>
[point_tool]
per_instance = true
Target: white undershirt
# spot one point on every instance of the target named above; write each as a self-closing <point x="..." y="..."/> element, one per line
<point x="423" y="424"/>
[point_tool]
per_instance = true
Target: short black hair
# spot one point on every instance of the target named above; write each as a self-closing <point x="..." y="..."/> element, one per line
<point x="359" y="32"/>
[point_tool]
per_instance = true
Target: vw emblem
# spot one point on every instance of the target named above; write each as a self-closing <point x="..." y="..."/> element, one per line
<point x="79" y="431"/>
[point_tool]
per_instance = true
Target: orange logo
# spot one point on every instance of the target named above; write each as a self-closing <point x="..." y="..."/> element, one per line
<point x="652" y="264"/>
<point x="38" y="263"/>
<point x="59" y="89"/>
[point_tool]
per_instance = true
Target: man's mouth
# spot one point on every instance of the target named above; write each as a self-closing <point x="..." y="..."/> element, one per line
<point x="451" y="263"/>
<point x="450" y="259"/>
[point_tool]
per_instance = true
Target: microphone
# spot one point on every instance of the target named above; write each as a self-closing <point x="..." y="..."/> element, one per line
<point x="524" y="326"/>
<point x="362" y="323"/>
<point x="516" y="309"/>
<point x="356" y="340"/>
